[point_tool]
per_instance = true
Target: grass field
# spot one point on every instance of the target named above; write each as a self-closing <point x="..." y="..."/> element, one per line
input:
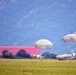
<point x="37" y="67"/>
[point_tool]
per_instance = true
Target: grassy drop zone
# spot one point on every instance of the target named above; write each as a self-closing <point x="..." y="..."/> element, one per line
<point x="37" y="67"/>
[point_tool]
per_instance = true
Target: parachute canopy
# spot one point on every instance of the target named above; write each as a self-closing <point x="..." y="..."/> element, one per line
<point x="70" y="38"/>
<point x="43" y="43"/>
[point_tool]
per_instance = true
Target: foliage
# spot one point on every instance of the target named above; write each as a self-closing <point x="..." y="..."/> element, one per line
<point x="28" y="55"/>
<point x="22" y="54"/>
<point x="49" y="55"/>
<point x="7" y="54"/>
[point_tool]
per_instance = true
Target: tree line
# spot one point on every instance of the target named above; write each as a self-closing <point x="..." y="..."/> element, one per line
<point x="20" y="54"/>
<point x="23" y="54"/>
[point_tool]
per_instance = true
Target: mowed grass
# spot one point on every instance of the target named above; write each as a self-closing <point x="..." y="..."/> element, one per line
<point x="37" y="67"/>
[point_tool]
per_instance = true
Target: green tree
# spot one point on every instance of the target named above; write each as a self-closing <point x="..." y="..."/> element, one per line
<point x="27" y="55"/>
<point x="21" y="53"/>
<point x="7" y="54"/>
<point x="49" y="55"/>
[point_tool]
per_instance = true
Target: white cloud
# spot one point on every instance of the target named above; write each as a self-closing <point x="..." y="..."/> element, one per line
<point x="30" y="13"/>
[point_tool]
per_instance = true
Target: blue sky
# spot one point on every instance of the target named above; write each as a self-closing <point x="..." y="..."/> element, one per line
<point x="23" y="22"/>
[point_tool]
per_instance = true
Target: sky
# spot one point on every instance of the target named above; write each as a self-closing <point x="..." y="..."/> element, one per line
<point x="23" y="22"/>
